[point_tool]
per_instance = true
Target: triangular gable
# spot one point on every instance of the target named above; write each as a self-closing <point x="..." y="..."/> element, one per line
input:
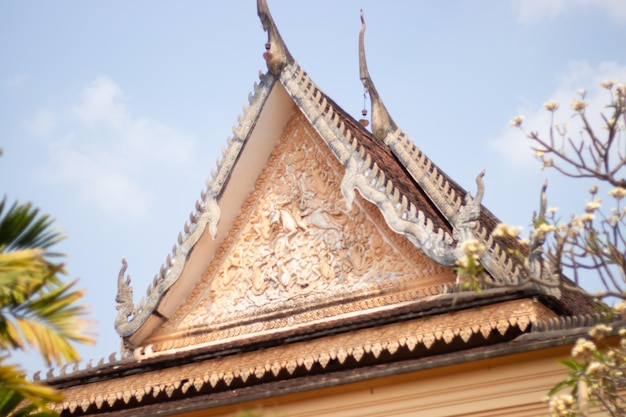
<point x="297" y="255"/>
<point x="416" y="200"/>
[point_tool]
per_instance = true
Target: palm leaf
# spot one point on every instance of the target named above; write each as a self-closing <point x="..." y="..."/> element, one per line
<point x="13" y="403"/>
<point x="36" y="308"/>
<point x="22" y="227"/>
<point x="23" y="273"/>
<point x="45" y="320"/>
<point x="12" y="379"/>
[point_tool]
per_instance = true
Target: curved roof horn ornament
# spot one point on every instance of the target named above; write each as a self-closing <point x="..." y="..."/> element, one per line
<point x="277" y="55"/>
<point x="382" y="123"/>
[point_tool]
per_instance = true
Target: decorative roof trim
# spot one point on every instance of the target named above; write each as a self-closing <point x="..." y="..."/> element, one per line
<point x="463" y="217"/>
<point x="571" y="323"/>
<point x="463" y="212"/>
<point x="206" y="216"/>
<point x="382" y="123"/>
<point x="362" y="174"/>
<point x="277" y="55"/>
<point x="419" y="334"/>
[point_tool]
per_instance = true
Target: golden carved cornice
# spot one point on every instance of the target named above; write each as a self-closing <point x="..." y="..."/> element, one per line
<point x="347" y="349"/>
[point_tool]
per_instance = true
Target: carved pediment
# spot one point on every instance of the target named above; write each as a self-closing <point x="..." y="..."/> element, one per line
<point x="296" y="254"/>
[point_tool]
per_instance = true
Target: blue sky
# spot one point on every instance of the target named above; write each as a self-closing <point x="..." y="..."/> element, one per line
<point x="113" y="113"/>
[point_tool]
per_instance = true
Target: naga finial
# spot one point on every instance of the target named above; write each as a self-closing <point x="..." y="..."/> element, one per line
<point x="537" y="239"/>
<point x="277" y="55"/>
<point x="124" y="297"/>
<point x="468" y="214"/>
<point x="382" y="123"/>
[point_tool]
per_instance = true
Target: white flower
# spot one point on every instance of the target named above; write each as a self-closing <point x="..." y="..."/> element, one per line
<point x="517" y="121"/>
<point x="593" y="205"/>
<point x="599" y="331"/>
<point x="463" y="262"/>
<point x="579" y="105"/>
<point x="472" y="247"/>
<point x="551" y="106"/>
<point x="618" y="193"/>
<point x="547" y="162"/>
<point x="504" y="230"/>
<point x="595" y="368"/>
<point x="607" y="84"/>
<point x="583" y="349"/>
<point x="612" y="220"/>
<point x="560" y="405"/>
<point x="610" y="124"/>
<point x="542" y="230"/>
<point x="587" y="217"/>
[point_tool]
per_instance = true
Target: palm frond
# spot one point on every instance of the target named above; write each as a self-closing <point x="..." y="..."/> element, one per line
<point x="23" y="273"/>
<point x="51" y="321"/>
<point x="12" y="379"/>
<point x="37" y="309"/>
<point x="23" y="227"/>
<point x="13" y="403"/>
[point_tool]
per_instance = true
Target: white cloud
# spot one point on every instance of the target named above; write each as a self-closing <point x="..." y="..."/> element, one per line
<point x="103" y="181"/>
<point x="533" y="10"/>
<point x="512" y="143"/>
<point x="103" y="105"/>
<point x="102" y="150"/>
<point x="15" y="81"/>
<point x="43" y="123"/>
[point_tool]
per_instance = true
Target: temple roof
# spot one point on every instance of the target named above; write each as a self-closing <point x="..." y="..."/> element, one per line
<point x="418" y="216"/>
<point x="416" y="198"/>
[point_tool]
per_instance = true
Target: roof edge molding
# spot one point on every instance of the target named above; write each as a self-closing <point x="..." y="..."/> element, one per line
<point x="205" y="218"/>
<point x="277" y="55"/>
<point x="462" y="212"/>
<point x="363" y="174"/>
<point x="382" y="123"/>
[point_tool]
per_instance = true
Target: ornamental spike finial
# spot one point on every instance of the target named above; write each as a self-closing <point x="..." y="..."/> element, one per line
<point x="277" y="55"/>
<point x="537" y="239"/>
<point x="382" y="123"/>
<point x="124" y="297"/>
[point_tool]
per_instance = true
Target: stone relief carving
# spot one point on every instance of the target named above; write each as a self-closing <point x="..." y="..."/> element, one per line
<point x="301" y="244"/>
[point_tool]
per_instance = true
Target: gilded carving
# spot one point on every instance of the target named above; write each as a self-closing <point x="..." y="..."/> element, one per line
<point x="296" y="248"/>
<point x="301" y="244"/>
<point x="424" y="332"/>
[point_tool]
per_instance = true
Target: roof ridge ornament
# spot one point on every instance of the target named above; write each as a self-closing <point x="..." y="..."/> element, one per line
<point x="124" y="298"/>
<point x="382" y="123"/>
<point x="277" y="55"/>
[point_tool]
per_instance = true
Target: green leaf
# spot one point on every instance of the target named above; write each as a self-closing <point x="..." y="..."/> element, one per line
<point x="562" y="385"/>
<point x="572" y="364"/>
